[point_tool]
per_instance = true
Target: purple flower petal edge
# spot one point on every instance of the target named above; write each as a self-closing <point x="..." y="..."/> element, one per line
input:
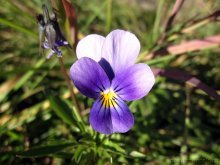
<point x="134" y="82"/>
<point x="89" y="77"/>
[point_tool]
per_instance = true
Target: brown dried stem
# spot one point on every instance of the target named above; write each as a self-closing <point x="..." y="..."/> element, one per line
<point x="176" y="8"/>
<point x="73" y="96"/>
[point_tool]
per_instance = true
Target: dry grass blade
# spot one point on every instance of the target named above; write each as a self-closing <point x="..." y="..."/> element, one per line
<point x="215" y="16"/>
<point x="188" y="79"/>
<point x="195" y="45"/>
<point x="192" y="25"/>
<point x="22" y="7"/>
<point x="72" y="19"/>
<point x="188" y="46"/>
<point x="176" y="8"/>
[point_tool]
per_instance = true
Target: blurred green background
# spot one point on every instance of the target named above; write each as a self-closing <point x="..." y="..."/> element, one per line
<point x="175" y="123"/>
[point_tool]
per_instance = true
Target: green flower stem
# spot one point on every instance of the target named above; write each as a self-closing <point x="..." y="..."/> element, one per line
<point x="184" y="155"/>
<point x="73" y="96"/>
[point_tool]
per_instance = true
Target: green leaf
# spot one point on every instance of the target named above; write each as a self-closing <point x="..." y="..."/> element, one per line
<point x="63" y="155"/>
<point x="114" y="145"/>
<point x="159" y="15"/>
<point x="97" y="12"/>
<point x="28" y="75"/>
<point x="78" y="153"/>
<point x="62" y="110"/>
<point x="44" y="150"/>
<point x="21" y="82"/>
<point x="17" y="27"/>
<point x="137" y="154"/>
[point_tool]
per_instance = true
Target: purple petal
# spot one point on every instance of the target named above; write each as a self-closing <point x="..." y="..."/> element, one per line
<point x="89" y="77"/>
<point x="120" y="49"/>
<point x="134" y="82"/>
<point x="107" y="68"/>
<point x="61" y="43"/>
<point x="90" y="46"/>
<point x="100" y="118"/>
<point x="108" y="120"/>
<point x="122" y="118"/>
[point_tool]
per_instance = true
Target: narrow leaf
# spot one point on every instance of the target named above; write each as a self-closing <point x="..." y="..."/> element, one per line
<point x="137" y="154"/>
<point x="185" y="47"/>
<point x="17" y="27"/>
<point x="78" y="153"/>
<point x="158" y="19"/>
<point x="44" y="150"/>
<point x="61" y="109"/>
<point x="72" y="20"/>
<point x="194" y="24"/>
<point x="64" y="111"/>
<point x="195" y="45"/>
<point x="21" y="81"/>
<point x="187" y="78"/>
<point x="176" y="8"/>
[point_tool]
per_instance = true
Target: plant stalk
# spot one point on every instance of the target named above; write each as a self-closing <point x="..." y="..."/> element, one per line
<point x="184" y="155"/>
<point x="72" y="94"/>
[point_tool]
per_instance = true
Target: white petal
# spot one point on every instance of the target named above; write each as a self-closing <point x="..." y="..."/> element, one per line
<point x="120" y="49"/>
<point x="90" y="46"/>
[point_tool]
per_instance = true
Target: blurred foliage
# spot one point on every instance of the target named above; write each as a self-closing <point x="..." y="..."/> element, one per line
<point x="175" y="122"/>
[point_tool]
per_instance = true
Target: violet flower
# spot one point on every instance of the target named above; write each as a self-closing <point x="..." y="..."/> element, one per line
<point x="50" y="35"/>
<point x="106" y="71"/>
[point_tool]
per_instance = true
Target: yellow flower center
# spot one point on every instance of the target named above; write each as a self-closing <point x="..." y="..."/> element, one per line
<point x="108" y="98"/>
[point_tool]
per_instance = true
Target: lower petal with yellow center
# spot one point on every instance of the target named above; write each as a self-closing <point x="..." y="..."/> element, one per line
<point x="109" y="98"/>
